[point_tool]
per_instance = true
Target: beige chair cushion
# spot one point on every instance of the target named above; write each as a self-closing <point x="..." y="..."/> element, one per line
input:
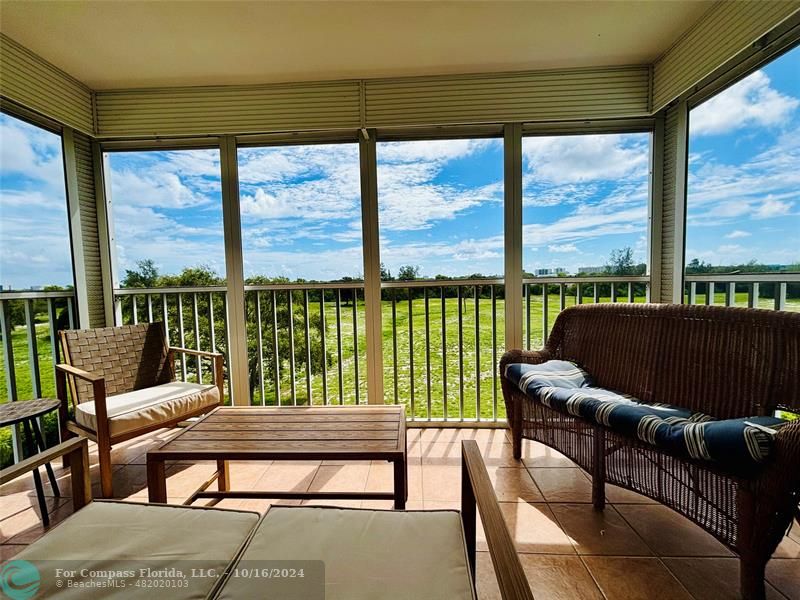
<point x="121" y="535"/>
<point x="368" y="554"/>
<point x="149" y="406"/>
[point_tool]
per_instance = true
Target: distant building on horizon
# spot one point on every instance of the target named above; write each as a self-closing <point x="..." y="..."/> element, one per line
<point x="585" y="270"/>
<point x="549" y="272"/>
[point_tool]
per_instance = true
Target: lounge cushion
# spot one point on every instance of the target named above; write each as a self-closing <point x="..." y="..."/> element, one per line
<point x="737" y="446"/>
<point x="149" y="406"/>
<point x="368" y="554"/>
<point x="117" y="536"/>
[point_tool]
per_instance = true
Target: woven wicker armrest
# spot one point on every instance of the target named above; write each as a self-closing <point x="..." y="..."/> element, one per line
<point x="193" y="352"/>
<point x="531" y="357"/>
<point x="786" y="452"/>
<point x="80" y="373"/>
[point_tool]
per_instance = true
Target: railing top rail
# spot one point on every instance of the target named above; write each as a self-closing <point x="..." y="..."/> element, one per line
<point x="34" y="295"/>
<point x="420" y="283"/>
<point x="333" y="285"/>
<point x="168" y="290"/>
<point x="744" y="278"/>
<point x="601" y="279"/>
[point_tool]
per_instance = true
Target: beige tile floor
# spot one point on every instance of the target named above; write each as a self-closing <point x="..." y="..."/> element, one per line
<point x="634" y="549"/>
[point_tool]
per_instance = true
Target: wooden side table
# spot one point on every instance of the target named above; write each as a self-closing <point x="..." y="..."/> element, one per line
<point x="26" y="412"/>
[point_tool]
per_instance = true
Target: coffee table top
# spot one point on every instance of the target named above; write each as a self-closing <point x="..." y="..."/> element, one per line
<point x="19" y="410"/>
<point x="313" y="433"/>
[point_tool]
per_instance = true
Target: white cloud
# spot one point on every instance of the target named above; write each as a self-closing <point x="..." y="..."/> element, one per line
<point x="582" y="158"/>
<point x="750" y="102"/>
<point x="736" y="234"/>
<point x="771" y="207"/>
<point x="562" y="248"/>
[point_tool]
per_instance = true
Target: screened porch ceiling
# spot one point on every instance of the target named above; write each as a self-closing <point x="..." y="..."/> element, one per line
<point x="114" y="45"/>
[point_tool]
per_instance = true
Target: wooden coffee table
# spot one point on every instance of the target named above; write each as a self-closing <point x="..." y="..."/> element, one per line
<point x="287" y="433"/>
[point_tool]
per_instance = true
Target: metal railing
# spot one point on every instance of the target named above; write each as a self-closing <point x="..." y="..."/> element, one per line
<point x="541" y="293"/>
<point x="778" y="291"/>
<point x="31" y="321"/>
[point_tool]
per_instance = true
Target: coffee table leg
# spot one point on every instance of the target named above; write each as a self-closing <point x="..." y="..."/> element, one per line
<point x="400" y="484"/>
<point x="223" y="476"/>
<point x="156" y="480"/>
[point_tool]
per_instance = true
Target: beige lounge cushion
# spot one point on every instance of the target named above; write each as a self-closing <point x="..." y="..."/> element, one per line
<point x="120" y="535"/>
<point x="149" y="406"/>
<point x="368" y="554"/>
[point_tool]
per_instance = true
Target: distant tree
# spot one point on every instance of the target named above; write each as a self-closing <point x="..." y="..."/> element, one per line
<point x="144" y="276"/>
<point x="698" y="266"/>
<point x="199" y="276"/>
<point x="408" y="272"/>
<point x="621" y="262"/>
<point x="386" y="274"/>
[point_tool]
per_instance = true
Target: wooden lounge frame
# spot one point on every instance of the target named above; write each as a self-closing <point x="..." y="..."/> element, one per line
<point x="66" y="375"/>
<point x="75" y="453"/>
<point x="287" y="433"/>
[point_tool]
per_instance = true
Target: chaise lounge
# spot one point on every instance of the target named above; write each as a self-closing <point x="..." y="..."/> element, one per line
<point x="676" y="403"/>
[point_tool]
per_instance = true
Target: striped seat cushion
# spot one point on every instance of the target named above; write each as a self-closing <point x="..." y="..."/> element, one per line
<point x="738" y="446"/>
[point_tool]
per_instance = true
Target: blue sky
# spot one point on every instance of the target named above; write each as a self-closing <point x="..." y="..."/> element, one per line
<point x="440" y="202"/>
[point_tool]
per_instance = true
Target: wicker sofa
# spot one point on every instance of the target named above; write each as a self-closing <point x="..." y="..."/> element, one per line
<point x="727" y="363"/>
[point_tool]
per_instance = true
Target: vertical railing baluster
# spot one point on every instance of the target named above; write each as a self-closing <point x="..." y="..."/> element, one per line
<point x="291" y="349"/>
<point x="613" y="292"/>
<point x="165" y="314"/>
<point x="596" y="292"/>
<point x="545" y="325"/>
<point x="10" y="373"/>
<point x="578" y="293"/>
<point x="355" y="342"/>
<point x="196" y="322"/>
<point x="394" y="342"/>
<point x="427" y="351"/>
<point x="276" y="348"/>
<point x="527" y="292"/>
<point x="33" y="349"/>
<point x="444" y="355"/>
<point x="71" y="313"/>
<point x="411" y="350"/>
<point x="181" y="334"/>
<point x="730" y="294"/>
<point x="149" y="298"/>
<point x="323" y="332"/>
<point x="227" y="341"/>
<point x="752" y="295"/>
<point x="212" y="324"/>
<point x="710" y="293"/>
<point x="52" y="323"/>
<point x="260" y="348"/>
<point x="307" y="322"/>
<point x="339" y="343"/>
<point x="562" y="291"/>
<point x="780" y="296"/>
<point x="692" y="293"/>
<point x="630" y="291"/>
<point x="135" y="310"/>
<point x="477" y="354"/>
<point x="494" y="354"/>
<point x="460" y="355"/>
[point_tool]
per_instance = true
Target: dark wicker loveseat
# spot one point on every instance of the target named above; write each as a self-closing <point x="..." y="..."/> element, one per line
<point x="725" y="362"/>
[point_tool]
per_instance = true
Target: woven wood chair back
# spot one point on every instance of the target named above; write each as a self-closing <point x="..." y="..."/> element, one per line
<point x="725" y="362"/>
<point x="130" y="358"/>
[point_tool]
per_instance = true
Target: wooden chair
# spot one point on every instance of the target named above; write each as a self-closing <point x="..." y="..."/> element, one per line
<point x="122" y="385"/>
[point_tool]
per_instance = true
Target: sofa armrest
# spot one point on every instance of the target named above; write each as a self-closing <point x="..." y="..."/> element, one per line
<point x="79" y="373"/>
<point x="216" y="358"/>
<point x="784" y="467"/>
<point x="476" y="490"/>
<point x="76" y="453"/>
<point x="193" y="352"/>
<point x="531" y="357"/>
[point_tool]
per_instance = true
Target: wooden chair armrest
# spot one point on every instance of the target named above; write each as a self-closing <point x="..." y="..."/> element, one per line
<point x="77" y="451"/>
<point x="477" y="490"/>
<point x="80" y="373"/>
<point x="201" y="353"/>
